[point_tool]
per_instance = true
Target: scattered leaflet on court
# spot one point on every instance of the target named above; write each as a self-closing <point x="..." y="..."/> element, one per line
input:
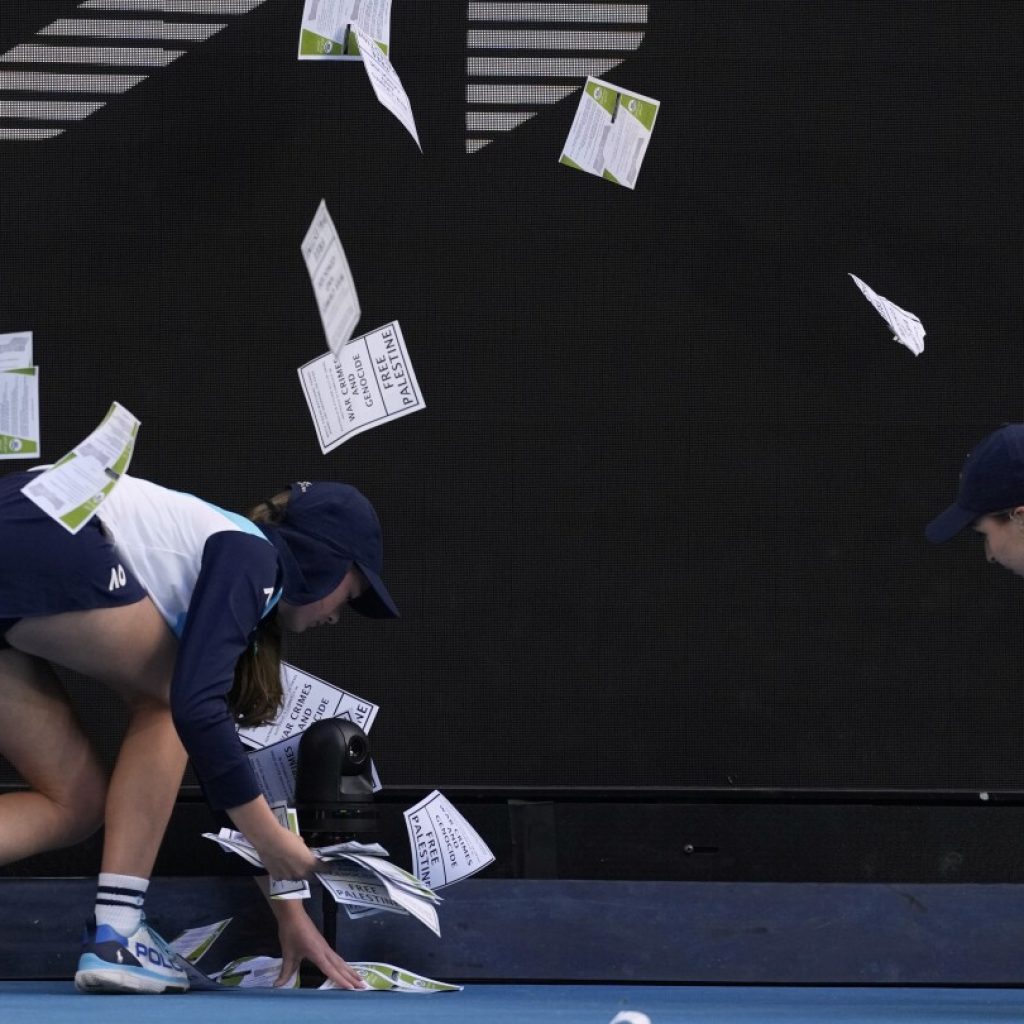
<point x="71" y="490"/>
<point x="370" y="381"/>
<point x="327" y="28"/>
<point x="253" y="972"/>
<point x="445" y="847"/>
<point x="388" y="978"/>
<point x="908" y="329"/>
<point x="333" y="285"/>
<point x="263" y="971"/>
<point x="610" y="133"/>
<point x="193" y="943"/>
<point x="306" y="699"/>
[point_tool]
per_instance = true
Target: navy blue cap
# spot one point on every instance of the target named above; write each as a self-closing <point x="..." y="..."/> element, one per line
<point x="992" y="480"/>
<point x="326" y="529"/>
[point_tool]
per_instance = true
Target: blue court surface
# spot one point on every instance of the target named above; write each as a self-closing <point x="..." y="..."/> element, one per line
<point x="524" y="1004"/>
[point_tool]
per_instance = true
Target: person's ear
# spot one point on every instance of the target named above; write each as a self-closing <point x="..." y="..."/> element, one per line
<point x="1017" y="515"/>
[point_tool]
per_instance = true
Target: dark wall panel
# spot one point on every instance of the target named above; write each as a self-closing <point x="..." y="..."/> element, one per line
<point x="661" y="521"/>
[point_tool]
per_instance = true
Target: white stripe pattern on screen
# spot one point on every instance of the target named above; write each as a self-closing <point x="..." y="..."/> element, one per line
<point x="136" y="56"/>
<point x="123" y="29"/>
<point x="576" y="39"/>
<point x="27" y="93"/>
<point x="531" y="39"/>
<point x="174" y="6"/>
<point x="495" y="93"/>
<point x="495" y="120"/>
<point x="539" y="67"/>
<point x="47" y="81"/>
<point x="29" y="134"/>
<point x="48" y="110"/>
<point x="624" y="14"/>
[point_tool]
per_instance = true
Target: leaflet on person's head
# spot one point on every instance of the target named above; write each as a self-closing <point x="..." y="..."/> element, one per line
<point x="445" y="847"/>
<point x="907" y="328"/>
<point x="370" y="381"/>
<point x="72" y="490"/>
<point x="610" y="132"/>
<point x="326" y="29"/>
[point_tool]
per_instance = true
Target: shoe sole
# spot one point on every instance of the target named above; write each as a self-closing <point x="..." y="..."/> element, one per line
<point x="101" y="980"/>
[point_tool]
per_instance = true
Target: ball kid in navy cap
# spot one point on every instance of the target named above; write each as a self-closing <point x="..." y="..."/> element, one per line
<point x="326" y="530"/>
<point x="990" y="498"/>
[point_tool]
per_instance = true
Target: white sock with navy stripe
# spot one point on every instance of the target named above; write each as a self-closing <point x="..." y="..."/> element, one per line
<point x="119" y="900"/>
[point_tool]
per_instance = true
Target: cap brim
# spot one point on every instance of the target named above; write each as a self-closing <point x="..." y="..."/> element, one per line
<point x="948" y="524"/>
<point x="375" y="602"/>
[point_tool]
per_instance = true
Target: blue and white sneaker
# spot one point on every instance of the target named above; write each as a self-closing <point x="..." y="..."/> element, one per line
<point x="140" y="962"/>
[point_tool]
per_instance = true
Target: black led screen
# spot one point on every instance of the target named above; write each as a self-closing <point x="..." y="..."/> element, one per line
<point x="661" y="521"/>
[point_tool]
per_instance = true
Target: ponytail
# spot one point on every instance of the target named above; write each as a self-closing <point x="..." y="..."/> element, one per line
<point x="256" y="695"/>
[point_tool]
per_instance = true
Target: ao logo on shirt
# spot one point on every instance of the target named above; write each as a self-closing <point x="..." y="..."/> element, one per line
<point x="118" y="578"/>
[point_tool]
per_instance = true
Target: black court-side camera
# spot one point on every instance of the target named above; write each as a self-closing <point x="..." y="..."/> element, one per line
<point x="334" y="784"/>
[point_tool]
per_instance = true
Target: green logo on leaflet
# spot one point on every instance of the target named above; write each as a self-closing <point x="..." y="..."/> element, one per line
<point x="10" y="445"/>
<point x="602" y="95"/>
<point x="314" y="45"/>
<point x="645" y="113"/>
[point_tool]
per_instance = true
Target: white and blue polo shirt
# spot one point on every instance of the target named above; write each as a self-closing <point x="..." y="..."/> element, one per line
<point x="213" y="575"/>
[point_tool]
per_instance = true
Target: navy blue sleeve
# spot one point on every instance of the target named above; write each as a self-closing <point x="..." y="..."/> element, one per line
<point x="236" y="577"/>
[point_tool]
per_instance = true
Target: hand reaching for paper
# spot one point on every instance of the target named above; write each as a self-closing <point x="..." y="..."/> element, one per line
<point x="300" y="940"/>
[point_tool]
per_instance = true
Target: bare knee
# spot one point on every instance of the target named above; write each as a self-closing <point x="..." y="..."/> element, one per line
<point x="80" y="806"/>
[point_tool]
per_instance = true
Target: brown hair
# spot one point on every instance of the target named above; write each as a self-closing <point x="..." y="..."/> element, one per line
<point x="256" y="694"/>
